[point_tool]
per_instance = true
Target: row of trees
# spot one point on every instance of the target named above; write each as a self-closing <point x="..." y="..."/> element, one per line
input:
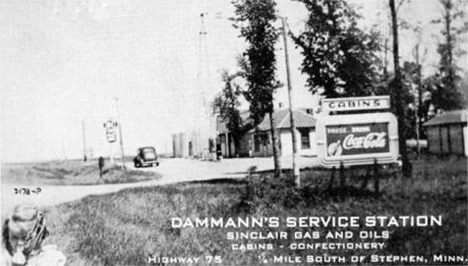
<point x="340" y="60"/>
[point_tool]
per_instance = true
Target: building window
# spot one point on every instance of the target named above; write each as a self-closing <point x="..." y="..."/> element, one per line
<point x="305" y="140"/>
<point x="260" y="138"/>
<point x="257" y="142"/>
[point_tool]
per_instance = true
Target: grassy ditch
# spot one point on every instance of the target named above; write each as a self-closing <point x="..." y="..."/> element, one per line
<point x="126" y="227"/>
<point x="70" y="173"/>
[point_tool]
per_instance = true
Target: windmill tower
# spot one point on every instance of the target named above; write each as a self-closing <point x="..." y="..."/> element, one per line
<point x="203" y="73"/>
<point x="204" y="126"/>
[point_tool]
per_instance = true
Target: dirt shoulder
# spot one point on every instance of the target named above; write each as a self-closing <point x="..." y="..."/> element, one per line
<point x="62" y="173"/>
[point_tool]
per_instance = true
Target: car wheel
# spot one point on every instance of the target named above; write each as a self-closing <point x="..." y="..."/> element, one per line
<point x="137" y="165"/>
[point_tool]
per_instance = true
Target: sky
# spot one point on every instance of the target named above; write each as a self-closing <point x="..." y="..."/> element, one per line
<point x="65" y="64"/>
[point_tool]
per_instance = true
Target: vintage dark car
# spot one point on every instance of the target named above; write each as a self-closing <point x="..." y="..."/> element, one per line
<point x="146" y="156"/>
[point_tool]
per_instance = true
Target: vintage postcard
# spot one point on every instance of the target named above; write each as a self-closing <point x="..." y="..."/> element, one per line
<point x="233" y="132"/>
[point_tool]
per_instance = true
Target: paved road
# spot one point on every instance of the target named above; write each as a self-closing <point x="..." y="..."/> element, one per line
<point x="172" y="170"/>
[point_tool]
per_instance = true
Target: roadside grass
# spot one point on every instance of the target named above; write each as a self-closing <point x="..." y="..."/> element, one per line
<point x="126" y="227"/>
<point x="70" y="173"/>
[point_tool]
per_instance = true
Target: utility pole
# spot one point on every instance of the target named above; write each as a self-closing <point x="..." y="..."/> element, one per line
<point x="296" y="173"/>
<point x="418" y="101"/>
<point x="385" y="71"/>
<point x="120" y="131"/>
<point x="83" y="127"/>
<point x="111" y="153"/>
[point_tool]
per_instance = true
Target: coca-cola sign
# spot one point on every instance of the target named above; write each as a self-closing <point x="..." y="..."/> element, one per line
<point x="357" y="139"/>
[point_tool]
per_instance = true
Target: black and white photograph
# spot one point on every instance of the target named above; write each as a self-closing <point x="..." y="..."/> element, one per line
<point x="233" y="132"/>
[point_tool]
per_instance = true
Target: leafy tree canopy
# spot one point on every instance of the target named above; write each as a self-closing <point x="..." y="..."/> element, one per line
<point x="339" y="58"/>
<point x="255" y="20"/>
<point x="446" y="85"/>
<point x="227" y="104"/>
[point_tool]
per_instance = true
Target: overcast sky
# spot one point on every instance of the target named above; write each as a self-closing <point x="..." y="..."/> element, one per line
<point x="63" y="62"/>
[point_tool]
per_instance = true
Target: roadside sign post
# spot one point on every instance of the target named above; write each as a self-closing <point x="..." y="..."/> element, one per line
<point x="358" y="139"/>
<point x="119" y="124"/>
<point x="111" y="136"/>
<point x="111" y="154"/>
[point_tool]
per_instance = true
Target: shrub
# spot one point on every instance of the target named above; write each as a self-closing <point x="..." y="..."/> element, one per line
<point x="263" y="191"/>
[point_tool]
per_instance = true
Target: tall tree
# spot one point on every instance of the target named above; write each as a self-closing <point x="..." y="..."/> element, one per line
<point x="411" y="80"/>
<point x="397" y="89"/>
<point x="447" y="91"/>
<point x="339" y="58"/>
<point x="383" y="30"/>
<point x="255" y="20"/>
<point x="227" y="103"/>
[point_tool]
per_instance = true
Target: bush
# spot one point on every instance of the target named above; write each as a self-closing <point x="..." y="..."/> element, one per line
<point x="264" y="192"/>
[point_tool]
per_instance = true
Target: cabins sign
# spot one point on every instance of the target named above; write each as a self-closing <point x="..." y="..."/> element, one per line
<point x="357" y="139"/>
<point x="356" y="103"/>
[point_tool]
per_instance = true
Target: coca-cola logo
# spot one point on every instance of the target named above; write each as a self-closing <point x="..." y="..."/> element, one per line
<point x="335" y="149"/>
<point x="373" y="140"/>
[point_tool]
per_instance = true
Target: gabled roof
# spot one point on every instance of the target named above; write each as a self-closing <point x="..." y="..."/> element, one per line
<point x="282" y="120"/>
<point x="449" y="117"/>
<point x="302" y="120"/>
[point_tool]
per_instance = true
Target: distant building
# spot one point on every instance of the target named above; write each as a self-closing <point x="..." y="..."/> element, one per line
<point x="225" y="141"/>
<point x="258" y="142"/>
<point x="447" y="133"/>
<point x="180" y="144"/>
<point x="192" y="144"/>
